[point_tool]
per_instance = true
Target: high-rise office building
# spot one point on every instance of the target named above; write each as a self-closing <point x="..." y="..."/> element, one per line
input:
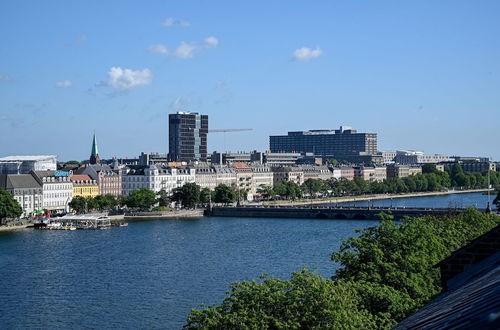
<point x="187" y="136"/>
<point x="343" y="143"/>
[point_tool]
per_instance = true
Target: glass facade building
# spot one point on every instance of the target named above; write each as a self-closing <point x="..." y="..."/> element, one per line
<point x="187" y="136"/>
<point x="344" y="142"/>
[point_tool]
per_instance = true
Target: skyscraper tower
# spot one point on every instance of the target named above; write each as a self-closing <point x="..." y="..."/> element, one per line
<point x="94" y="155"/>
<point x="187" y="136"/>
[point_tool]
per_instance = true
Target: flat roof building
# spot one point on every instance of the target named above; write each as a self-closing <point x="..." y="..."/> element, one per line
<point x="343" y="143"/>
<point x="187" y="136"/>
<point x="26" y="164"/>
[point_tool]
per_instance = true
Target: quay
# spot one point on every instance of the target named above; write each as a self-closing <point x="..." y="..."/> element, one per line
<point x="322" y="212"/>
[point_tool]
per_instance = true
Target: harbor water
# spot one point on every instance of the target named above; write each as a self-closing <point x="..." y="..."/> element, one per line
<point x="151" y="273"/>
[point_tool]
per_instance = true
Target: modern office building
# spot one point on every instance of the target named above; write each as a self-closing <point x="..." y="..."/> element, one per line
<point x="344" y="143"/>
<point x="26" y="164"/>
<point x="187" y="136"/>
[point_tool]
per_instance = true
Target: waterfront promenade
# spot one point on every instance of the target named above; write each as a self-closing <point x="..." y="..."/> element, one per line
<point x="316" y="212"/>
<point x="349" y="199"/>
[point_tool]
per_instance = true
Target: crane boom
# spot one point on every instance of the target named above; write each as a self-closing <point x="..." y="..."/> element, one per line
<point x="225" y="130"/>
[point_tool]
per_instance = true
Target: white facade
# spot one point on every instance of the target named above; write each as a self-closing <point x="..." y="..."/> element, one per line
<point x="57" y="193"/>
<point x="206" y="177"/>
<point x="225" y="176"/>
<point x="417" y="157"/>
<point x="26" y="191"/>
<point x="336" y="173"/>
<point x="156" y="178"/>
<point x="262" y="176"/>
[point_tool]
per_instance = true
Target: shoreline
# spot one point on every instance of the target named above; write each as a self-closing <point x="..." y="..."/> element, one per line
<point x="12" y="228"/>
<point x="375" y="197"/>
<point x="186" y="214"/>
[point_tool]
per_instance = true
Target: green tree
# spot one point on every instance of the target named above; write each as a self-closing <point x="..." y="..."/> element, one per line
<point x="206" y="195"/>
<point x="106" y="202"/>
<point x="312" y="186"/>
<point x="143" y="198"/>
<point x="188" y="195"/>
<point x="429" y="168"/>
<point x="91" y="203"/>
<point x="9" y="207"/>
<point x="266" y="191"/>
<point x="72" y="162"/>
<point x="288" y="189"/>
<point x="306" y="301"/>
<point x="78" y="204"/>
<point x="225" y="194"/>
<point x="402" y="256"/>
<point x="163" y="198"/>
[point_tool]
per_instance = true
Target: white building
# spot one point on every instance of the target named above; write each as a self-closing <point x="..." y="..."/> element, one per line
<point x="26" y="190"/>
<point x="262" y="176"/>
<point x="225" y="175"/>
<point x="288" y="173"/>
<point x="26" y="164"/>
<point x="205" y="176"/>
<point x="57" y="189"/>
<point x="388" y="156"/>
<point x="156" y="178"/>
<point x="406" y="157"/>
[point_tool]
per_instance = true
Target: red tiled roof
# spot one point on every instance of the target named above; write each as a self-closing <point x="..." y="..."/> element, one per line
<point x="80" y="177"/>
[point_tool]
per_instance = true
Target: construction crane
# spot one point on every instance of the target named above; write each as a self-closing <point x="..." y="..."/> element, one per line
<point x="228" y="130"/>
<point x="225" y="130"/>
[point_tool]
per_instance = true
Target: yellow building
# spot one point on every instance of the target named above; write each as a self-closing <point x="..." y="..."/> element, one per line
<point x="84" y="186"/>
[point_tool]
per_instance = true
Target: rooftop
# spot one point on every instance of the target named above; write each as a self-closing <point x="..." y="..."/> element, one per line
<point x="27" y="158"/>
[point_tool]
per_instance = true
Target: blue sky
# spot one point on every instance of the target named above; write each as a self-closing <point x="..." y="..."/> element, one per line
<point x="424" y="75"/>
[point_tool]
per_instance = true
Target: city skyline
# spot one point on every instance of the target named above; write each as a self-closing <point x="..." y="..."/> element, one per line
<point x="423" y="76"/>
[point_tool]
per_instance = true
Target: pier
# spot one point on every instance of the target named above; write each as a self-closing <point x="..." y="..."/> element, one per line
<point x="322" y="212"/>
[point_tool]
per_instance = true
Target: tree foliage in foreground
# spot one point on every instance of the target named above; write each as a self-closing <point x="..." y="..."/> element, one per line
<point x="385" y="274"/>
<point x="9" y="207"/>
<point x="306" y="301"/>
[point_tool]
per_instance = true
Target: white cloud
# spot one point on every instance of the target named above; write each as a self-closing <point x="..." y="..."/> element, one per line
<point x="5" y="77"/>
<point x="127" y="79"/>
<point x="169" y="22"/>
<point x="63" y="84"/>
<point x="211" y="42"/>
<point x="158" y="49"/>
<point x="185" y="50"/>
<point x="306" y="54"/>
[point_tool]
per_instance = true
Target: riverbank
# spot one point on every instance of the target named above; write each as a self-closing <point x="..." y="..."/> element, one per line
<point x="346" y="199"/>
<point x="164" y="215"/>
<point x="16" y="227"/>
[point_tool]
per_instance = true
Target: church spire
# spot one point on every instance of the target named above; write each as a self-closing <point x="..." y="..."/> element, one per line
<point x="94" y="155"/>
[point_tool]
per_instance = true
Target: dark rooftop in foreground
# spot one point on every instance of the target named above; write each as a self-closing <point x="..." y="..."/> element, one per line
<point x="472" y="300"/>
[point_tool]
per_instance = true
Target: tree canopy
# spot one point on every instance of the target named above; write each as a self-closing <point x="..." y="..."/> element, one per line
<point x="143" y="198"/>
<point x="188" y="195"/>
<point x="9" y="207"/>
<point x="385" y="274"/>
<point x="225" y="194"/>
